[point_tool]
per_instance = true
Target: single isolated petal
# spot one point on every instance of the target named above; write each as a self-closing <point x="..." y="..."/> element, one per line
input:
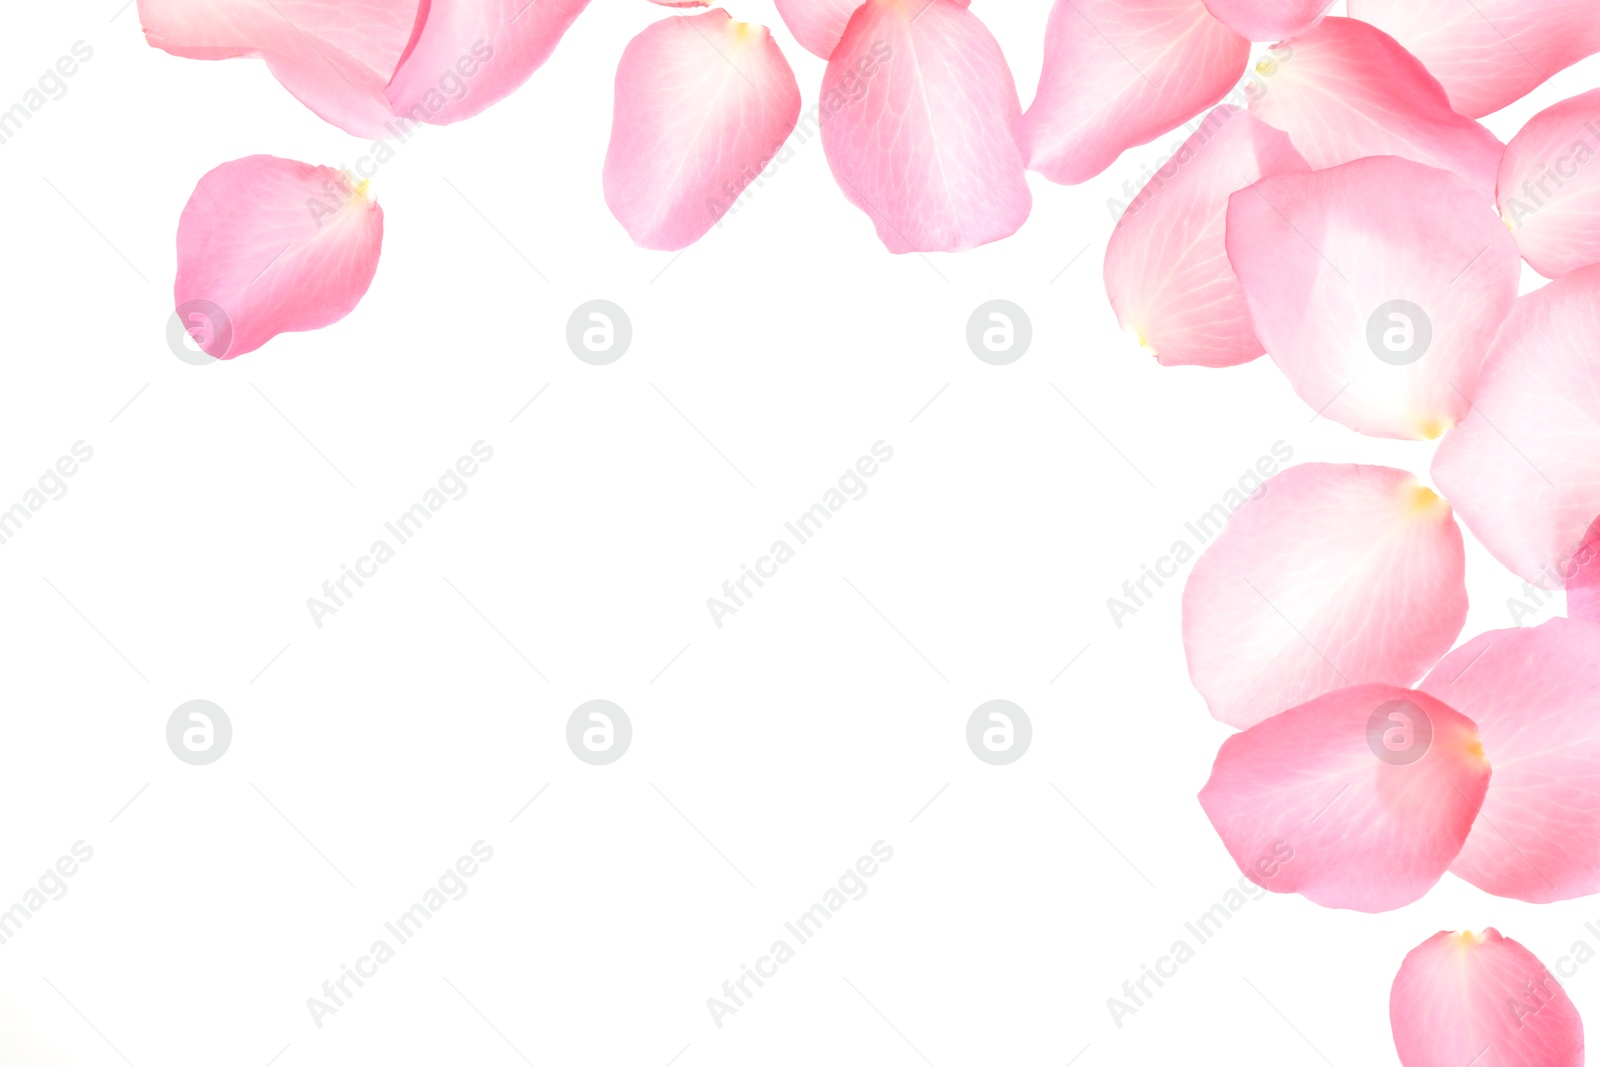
<point x="1524" y="467"/>
<point x="1377" y="286"/>
<point x="1550" y="186"/>
<point x="703" y="104"/>
<point x="1332" y="575"/>
<point x="1167" y="269"/>
<point x="1583" y="588"/>
<point x="335" y="56"/>
<point x="1532" y="693"/>
<point x="1270" y="20"/>
<point x="1346" y="90"/>
<point x="1488" y="53"/>
<point x="919" y="121"/>
<point x="473" y="53"/>
<point x="1119" y="74"/>
<point x="269" y="246"/>
<point x="1359" y="799"/>
<point x="1484" y="1000"/>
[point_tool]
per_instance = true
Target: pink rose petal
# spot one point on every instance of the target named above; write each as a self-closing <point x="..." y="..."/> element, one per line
<point x="1119" y="74"/>
<point x="1360" y="799"/>
<point x="269" y="246"/>
<point x="923" y="137"/>
<point x="1333" y="575"/>
<point x="817" y="24"/>
<point x="1270" y="20"/>
<point x="1583" y="587"/>
<point x="1550" y="186"/>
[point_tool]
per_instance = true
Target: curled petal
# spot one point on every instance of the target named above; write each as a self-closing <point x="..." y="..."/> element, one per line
<point x="1488" y="53"/>
<point x="1377" y="286"/>
<point x="1332" y="575"/>
<point x="269" y="246"/>
<point x="703" y="103"/>
<point x="1550" y="189"/>
<point x="1346" y="90"/>
<point x="1118" y="75"/>
<point x="1359" y="799"/>
<point x="919" y="121"/>
<point x="1270" y="20"/>
<point x="1523" y="468"/>
<point x="1167" y="269"/>
<point x="1481" y="999"/>
<point x="473" y="53"/>
<point x="1532" y="693"/>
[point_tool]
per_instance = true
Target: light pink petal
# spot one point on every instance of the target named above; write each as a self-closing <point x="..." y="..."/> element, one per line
<point x="1482" y="1000"/>
<point x="473" y="53"/>
<point x="1534" y="696"/>
<point x="1550" y="187"/>
<point x="1167" y="269"/>
<point x="1488" y="53"/>
<point x="817" y="24"/>
<point x="1332" y="575"/>
<point x="1346" y="90"/>
<point x="335" y="56"/>
<point x="1119" y="74"/>
<point x="1270" y="20"/>
<point x="1523" y="468"/>
<point x="703" y="103"/>
<point x="1359" y="799"/>
<point x="1583" y="587"/>
<point x="269" y="246"/>
<point x="919" y="121"/>
<point x="1377" y="286"/>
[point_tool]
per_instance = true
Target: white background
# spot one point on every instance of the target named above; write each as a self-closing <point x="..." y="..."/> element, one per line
<point x="823" y="717"/>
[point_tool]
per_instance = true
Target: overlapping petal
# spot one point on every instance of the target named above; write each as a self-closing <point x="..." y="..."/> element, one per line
<point x="921" y="132"/>
<point x="269" y="246"/>
<point x="1484" y="1000"/>
<point x="817" y="24"/>
<point x="1358" y="799"/>
<point x="1167" y="269"/>
<point x="1523" y="468"/>
<point x="1270" y="20"/>
<point x="1488" y="53"/>
<point x="703" y="103"/>
<point x="1118" y="74"/>
<point x="1532" y="693"/>
<point x="1583" y="587"/>
<point x="1550" y="186"/>
<point x="1377" y="286"/>
<point x="1347" y="90"/>
<point x="1334" y="575"/>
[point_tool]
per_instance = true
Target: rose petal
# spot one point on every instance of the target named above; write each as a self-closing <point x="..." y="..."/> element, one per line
<point x="1332" y="575"/>
<point x="1345" y="91"/>
<point x="1550" y="189"/>
<point x="817" y="24"/>
<point x="1360" y="799"/>
<point x="1583" y="588"/>
<point x="1118" y="75"/>
<point x="1270" y="20"/>
<point x="703" y="103"/>
<point x="1488" y="53"/>
<point x="1167" y="269"/>
<point x="1532" y="693"/>
<point x="928" y="147"/>
<point x="269" y="246"/>
<point x="1523" y="468"/>
<point x="473" y="53"/>
<point x="1481" y="1000"/>
<point x="1377" y="286"/>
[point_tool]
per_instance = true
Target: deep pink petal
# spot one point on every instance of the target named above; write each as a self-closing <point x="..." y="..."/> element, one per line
<point x="1550" y="185"/>
<point x="703" y="103"/>
<point x="1482" y="1000"/>
<point x="919" y="120"/>
<point x="1359" y="799"/>
<point x="1332" y="575"/>
<point x="1377" y="286"/>
<point x="1119" y="74"/>
<point x="269" y="246"/>
<point x="1488" y="53"/>
<point x="1523" y="468"/>
<point x="1346" y="90"/>
<point x="335" y="56"/>
<point x="1583" y="587"/>
<point x="473" y="53"/>
<point x="1534" y="696"/>
<point x="1270" y="20"/>
<point x="1167" y="269"/>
